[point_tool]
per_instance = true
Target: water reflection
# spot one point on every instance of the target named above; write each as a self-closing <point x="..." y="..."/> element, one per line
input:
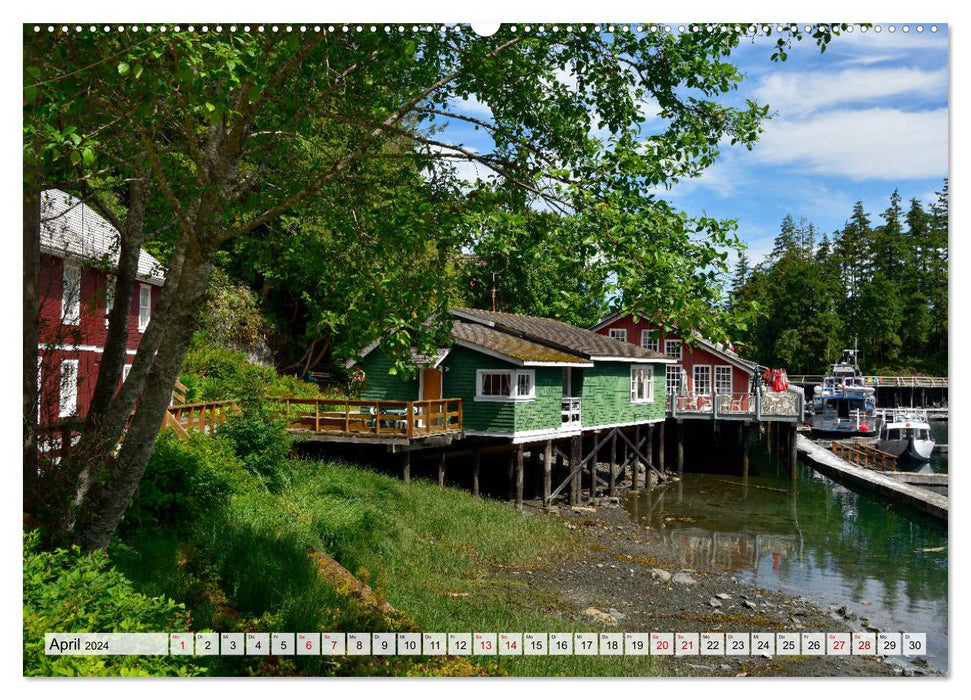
<point x="812" y="537"/>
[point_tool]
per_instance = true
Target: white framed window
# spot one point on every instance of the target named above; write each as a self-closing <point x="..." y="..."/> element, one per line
<point x="69" y="388"/>
<point x="144" y="307"/>
<point x="619" y="334"/>
<point x="109" y="297"/>
<point x="505" y="385"/>
<point x="71" y="295"/>
<point x="723" y="379"/>
<point x="650" y="339"/>
<point x="672" y="348"/>
<point x="702" y="380"/>
<point x="641" y="383"/>
<point x="672" y="379"/>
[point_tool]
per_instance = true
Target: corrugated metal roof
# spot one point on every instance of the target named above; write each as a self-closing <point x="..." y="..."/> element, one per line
<point x="70" y="228"/>
<point x="548" y="332"/>
<point x="510" y="346"/>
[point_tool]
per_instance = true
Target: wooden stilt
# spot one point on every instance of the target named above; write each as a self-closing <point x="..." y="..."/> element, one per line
<point x="680" y="436"/>
<point x="441" y="469"/>
<point x="745" y="438"/>
<point x="547" y="472"/>
<point x="536" y="474"/>
<point x="611" y="481"/>
<point x="519" y="478"/>
<point x="768" y="436"/>
<point x="575" y="449"/>
<point x="476" y="460"/>
<point x="511" y="474"/>
<point x="793" y="454"/>
<point x="649" y="447"/>
<point x="592" y="469"/>
<point x="660" y="446"/>
<point x="635" y="474"/>
<point x="406" y="466"/>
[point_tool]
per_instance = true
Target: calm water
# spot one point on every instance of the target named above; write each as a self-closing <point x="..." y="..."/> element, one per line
<point x="815" y="538"/>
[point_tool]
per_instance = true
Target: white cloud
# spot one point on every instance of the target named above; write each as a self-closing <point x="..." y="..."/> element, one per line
<point x="471" y="107"/>
<point x="803" y="93"/>
<point x="882" y="144"/>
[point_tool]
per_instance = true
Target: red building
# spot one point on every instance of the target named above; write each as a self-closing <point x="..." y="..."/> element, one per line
<point x="701" y="370"/>
<point x="79" y="250"/>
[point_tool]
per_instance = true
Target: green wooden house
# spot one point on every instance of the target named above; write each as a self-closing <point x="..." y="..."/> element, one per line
<point x="528" y="379"/>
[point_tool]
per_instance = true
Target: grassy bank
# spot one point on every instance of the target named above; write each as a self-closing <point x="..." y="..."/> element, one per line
<point x="439" y="556"/>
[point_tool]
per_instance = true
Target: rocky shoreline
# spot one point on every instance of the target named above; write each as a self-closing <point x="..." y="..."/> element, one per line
<point x="626" y="581"/>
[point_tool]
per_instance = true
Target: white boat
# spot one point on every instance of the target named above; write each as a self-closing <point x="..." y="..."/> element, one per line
<point x="906" y="433"/>
<point x="844" y="404"/>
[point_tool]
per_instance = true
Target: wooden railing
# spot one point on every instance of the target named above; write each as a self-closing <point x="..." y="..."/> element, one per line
<point x="179" y="392"/>
<point x="408" y="419"/>
<point x="785" y="404"/>
<point x="201" y="417"/>
<point x="865" y="456"/>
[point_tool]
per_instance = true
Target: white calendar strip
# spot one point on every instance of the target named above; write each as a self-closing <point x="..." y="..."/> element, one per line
<point x="488" y="644"/>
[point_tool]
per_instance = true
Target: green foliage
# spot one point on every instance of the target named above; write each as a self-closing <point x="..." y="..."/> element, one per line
<point x="185" y="478"/>
<point x="213" y="373"/>
<point x="883" y="287"/>
<point x="261" y="442"/>
<point x="232" y="316"/>
<point x="67" y="591"/>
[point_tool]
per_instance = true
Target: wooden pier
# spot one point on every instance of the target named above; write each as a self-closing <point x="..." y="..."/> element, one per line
<point x="921" y="499"/>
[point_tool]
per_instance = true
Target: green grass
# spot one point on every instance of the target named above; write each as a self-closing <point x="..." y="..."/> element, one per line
<point x="439" y="556"/>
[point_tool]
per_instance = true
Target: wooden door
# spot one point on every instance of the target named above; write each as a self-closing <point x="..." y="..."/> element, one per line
<point x="431" y="384"/>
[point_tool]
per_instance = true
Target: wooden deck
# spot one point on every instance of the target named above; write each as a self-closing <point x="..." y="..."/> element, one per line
<point x="386" y="422"/>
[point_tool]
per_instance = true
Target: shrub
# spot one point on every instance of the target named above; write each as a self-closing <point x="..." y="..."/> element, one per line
<point x="67" y="591"/>
<point x="184" y="478"/>
<point x="261" y="441"/>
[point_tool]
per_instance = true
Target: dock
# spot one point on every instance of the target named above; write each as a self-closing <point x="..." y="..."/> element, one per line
<point x="896" y="489"/>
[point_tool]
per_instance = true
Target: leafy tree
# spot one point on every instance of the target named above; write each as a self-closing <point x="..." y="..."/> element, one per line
<point x="229" y="132"/>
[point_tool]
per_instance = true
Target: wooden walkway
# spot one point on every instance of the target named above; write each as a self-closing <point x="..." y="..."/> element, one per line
<point x="921" y="499"/>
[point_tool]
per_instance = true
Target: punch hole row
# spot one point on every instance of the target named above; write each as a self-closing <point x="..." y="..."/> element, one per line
<point x="750" y="29"/>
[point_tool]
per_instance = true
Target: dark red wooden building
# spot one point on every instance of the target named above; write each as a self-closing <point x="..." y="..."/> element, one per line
<point x="79" y="250"/>
<point x="702" y="370"/>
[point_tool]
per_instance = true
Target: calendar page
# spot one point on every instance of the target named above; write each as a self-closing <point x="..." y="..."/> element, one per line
<point x="569" y="348"/>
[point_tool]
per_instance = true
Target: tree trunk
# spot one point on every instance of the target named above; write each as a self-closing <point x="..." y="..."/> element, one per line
<point x="31" y="261"/>
<point x="99" y="522"/>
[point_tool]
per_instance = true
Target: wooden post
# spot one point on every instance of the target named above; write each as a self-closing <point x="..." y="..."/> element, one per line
<point x="475" y="472"/>
<point x="680" y="435"/>
<point x="649" y="448"/>
<point x="613" y="464"/>
<point x="660" y="446"/>
<point x="745" y="437"/>
<point x="592" y="467"/>
<point x="575" y="446"/>
<point x="511" y="476"/>
<point x="534" y="470"/>
<point x="636" y="465"/>
<point x="768" y="436"/>
<point x="519" y="478"/>
<point x="793" y="454"/>
<point x="406" y="466"/>
<point x="441" y="469"/>
<point x="547" y="473"/>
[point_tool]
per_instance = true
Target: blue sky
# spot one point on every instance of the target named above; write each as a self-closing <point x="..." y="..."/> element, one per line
<point x="868" y="115"/>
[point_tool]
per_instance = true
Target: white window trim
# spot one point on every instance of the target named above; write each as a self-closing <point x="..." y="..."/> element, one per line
<point x="680" y="348"/>
<point x="141" y="291"/>
<point x="514" y="375"/>
<point x="694" y="380"/>
<point x="124" y="373"/>
<point x="646" y="339"/>
<point x="677" y="375"/>
<point x="62" y="413"/>
<point x="621" y="334"/>
<point x="71" y="298"/>
<point x="649" y="381"/>
<point x="731" y="378"/>
<point x="109" y="296"/>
